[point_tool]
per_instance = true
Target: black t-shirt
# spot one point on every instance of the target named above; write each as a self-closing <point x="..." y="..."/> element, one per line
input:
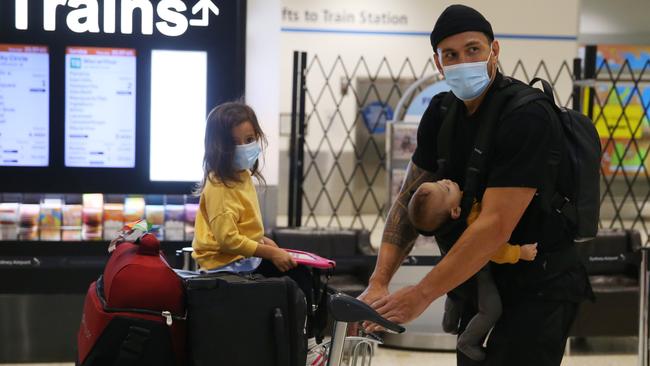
<point x="517" y="158"/>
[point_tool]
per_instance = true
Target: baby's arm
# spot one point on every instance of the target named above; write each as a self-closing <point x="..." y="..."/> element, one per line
<point x="509" y="253"/>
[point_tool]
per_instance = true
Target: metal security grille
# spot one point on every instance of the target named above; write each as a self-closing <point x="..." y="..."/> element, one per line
<point x="340" y="179"/>
<point x="618" y="100"/>
<point x="343" y="180"/>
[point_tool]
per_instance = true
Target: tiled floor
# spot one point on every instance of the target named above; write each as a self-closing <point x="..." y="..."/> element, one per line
<point x="390" y="357"/>
<point x="584" y="352"/>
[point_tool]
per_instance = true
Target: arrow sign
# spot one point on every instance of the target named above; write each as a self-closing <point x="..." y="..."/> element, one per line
<point x="205" y="7"/>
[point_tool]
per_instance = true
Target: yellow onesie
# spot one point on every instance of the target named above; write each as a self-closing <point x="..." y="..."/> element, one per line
<point x="508" y="253"/>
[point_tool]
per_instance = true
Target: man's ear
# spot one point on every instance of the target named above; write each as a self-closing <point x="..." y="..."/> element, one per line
<point x="496" y="49"/>
<point x="436" y="60"/>
<point x="455" y="212"/>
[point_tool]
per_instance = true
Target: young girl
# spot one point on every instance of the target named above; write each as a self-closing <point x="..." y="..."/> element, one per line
<point x="228" y="226"/>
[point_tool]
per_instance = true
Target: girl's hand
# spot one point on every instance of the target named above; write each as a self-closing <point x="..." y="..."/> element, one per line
<point x="528" y="252"/>
<point x="283" y="260"/>
<point x="269" y="242"/>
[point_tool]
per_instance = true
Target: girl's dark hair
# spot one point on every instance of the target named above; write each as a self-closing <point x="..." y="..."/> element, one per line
<point x="220" y="145"/>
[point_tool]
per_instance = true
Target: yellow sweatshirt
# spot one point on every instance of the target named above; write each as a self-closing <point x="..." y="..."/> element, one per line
<point x="228" y="225"/>
<point x="507" y="253"/>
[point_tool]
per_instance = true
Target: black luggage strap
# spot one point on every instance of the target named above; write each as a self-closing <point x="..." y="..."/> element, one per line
<point x="280" y="338"/>
<point x="318" y="309"/>
<point x="133" y="346"/>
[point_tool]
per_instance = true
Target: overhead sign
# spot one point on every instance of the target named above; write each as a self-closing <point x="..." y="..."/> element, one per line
<point x="83" y="15"/>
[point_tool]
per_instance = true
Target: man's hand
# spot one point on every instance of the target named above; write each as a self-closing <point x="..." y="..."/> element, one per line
<point x="371" y="294"/>
<point x="400" y="307"/>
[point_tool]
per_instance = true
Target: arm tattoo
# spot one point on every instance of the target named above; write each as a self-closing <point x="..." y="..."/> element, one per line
<point x="398" y="229"/>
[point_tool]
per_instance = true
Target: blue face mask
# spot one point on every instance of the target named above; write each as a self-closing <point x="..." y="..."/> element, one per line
<point x="246" y="155"/>
<point x="469" y="80"/>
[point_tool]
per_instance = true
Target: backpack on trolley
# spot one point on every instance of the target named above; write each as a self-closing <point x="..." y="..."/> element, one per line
<point x="134" y="314"/>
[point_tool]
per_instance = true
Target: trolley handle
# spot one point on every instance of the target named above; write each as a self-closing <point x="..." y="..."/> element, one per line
<point x="347" y="309"/>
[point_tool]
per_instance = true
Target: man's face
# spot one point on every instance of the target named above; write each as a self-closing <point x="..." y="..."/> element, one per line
<point x="466" y="47"/>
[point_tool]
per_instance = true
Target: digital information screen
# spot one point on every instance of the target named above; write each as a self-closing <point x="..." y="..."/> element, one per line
<point x="24" y="105"/>
<point x="100" y="107"/>
<point x="178" y="103"/>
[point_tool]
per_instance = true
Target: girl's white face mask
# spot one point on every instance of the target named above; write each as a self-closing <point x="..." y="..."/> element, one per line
<point x="246" y="155"/>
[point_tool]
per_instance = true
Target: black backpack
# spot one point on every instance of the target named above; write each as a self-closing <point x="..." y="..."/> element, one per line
<point x="575" y="178"/>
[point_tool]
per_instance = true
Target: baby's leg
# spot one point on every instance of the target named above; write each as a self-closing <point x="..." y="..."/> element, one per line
<point x="451" y="316"/>
<point x="470" y="342"/>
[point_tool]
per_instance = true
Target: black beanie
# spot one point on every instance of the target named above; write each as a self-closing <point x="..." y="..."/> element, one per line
<point x="458" y="19"/>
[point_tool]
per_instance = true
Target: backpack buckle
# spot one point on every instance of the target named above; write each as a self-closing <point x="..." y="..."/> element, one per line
<point x="559" y="202"/>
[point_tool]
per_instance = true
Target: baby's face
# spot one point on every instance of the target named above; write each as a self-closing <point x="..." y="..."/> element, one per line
<point x="445" y="193"/>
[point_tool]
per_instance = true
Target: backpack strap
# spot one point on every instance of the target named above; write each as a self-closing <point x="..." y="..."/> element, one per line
<point x="565" y="207"/>
<point x="552" y="198"/>
<point x="449" y="107"/>
<point x="482" y="144"/>
<point x="529" y="95"/>
<point x="484" y="140"/>
<point x="448" y="112"/>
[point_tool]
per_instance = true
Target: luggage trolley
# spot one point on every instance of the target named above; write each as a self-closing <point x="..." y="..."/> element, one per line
<point x="343" y="349"/>
<point x="353" y="351"/>
<point x="344" y="309"/>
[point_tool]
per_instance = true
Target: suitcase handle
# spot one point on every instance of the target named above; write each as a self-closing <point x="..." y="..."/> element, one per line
<point x="280" y="338"/>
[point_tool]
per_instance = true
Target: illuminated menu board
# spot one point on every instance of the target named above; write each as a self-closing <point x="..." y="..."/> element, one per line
<point x="100" y="107"/>
<point x="24" y="105"/>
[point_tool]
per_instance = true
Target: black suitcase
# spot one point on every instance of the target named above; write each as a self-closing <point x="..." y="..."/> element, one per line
<point x="243" y="320"/>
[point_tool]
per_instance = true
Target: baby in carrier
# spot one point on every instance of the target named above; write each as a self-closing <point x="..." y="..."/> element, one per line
<point x="432" y="205"/>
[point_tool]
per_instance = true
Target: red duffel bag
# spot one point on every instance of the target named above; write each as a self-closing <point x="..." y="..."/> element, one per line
<point x="134" y="314"/>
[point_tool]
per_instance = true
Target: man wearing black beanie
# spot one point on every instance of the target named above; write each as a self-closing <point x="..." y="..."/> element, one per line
<point x="540" y="298"/>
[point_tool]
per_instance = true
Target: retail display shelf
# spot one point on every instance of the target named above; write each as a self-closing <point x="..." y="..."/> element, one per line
<point x="72" y="248"/>
<point x="38" y="267"/>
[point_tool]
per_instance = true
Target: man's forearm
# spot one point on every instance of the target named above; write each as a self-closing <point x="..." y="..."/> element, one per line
<point x="398" y="230"/>
<point x="389" y="259"/>
<point x="399" y="235"/>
